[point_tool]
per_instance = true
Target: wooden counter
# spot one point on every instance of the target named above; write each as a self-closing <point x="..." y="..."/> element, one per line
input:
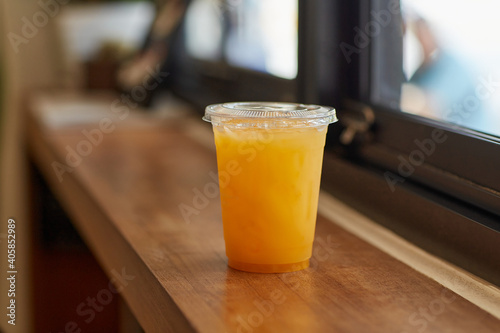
<point x="124" y="178"/>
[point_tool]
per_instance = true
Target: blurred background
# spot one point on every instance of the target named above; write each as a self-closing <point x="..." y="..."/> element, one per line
<point x="110" y="47"/>
<point x="439" y="65"/>
<point x="49" y="44"/>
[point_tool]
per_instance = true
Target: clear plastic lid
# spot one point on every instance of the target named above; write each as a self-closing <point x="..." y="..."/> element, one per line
<point x="269" y="115"/>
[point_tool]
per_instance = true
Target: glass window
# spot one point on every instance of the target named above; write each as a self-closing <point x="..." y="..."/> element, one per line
<point x="450" y="62"/>
<point x="251" y="34"/>
<point x="436" y="62"/>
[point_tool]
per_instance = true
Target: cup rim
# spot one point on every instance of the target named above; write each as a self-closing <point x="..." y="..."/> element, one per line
<point x="269" y="114"/>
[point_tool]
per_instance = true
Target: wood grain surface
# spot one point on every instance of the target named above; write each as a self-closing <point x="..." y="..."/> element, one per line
<point x="125" y="196"/>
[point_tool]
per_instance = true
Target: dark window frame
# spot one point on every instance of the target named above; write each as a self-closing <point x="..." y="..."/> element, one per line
<point x="392" y="142"/>
<point x="443" y="164"/>
<point x="448" y="207"/>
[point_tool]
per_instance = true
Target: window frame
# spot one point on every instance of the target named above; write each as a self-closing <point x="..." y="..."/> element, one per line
<point x="443" y="164"/>
<point x="447" y="207"/>
<point x="392" y="144"/>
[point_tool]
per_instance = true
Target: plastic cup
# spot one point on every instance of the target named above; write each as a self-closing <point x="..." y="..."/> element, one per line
<point x="269" y="158"/>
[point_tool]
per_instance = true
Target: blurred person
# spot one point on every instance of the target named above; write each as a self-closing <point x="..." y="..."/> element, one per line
<point x="443" y="81"/>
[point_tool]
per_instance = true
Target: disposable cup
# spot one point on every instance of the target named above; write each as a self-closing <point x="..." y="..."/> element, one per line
<point x="269" y="158"/>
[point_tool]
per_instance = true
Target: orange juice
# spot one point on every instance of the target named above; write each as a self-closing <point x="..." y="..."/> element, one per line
<point x="269" y="204"/>
<point x="269" y="157"/>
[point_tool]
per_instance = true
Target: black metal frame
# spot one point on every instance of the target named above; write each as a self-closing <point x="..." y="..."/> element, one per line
<point x="450" y="203"/>
<point x="465" y="164"/>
